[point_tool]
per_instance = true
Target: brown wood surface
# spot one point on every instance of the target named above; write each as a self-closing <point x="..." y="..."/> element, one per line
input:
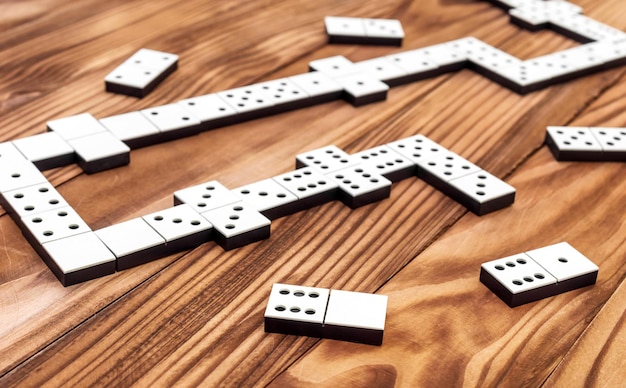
<point x="196" y="318"/>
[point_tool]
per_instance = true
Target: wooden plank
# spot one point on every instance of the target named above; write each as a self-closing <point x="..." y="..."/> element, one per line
<point x="198" y="317"/>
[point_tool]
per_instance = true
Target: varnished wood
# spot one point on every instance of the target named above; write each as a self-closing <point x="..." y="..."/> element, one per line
<point x="197" y="317"/>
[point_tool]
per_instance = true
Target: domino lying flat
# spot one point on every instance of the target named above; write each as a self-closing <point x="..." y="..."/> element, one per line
<point x="538" y="274"/>
<point x="364" y="31"/>
<point x="587" y="143"/>
<point x="141" y="73"/>
<point x="323" y="313"/>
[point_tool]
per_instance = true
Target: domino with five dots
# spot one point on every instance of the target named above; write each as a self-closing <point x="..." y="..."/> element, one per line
<point x="141" y="73"/>
<point x="324" y="313"/>
<point x="238" y="224"/>
<point x="538" y="274"/>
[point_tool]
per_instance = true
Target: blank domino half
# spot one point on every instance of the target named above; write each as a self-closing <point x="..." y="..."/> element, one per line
<point x="323" y="313"/>
<point x="538" y="274"/>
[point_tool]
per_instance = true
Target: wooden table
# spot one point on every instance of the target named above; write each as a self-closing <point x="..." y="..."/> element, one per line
<point x="196" y="318"/>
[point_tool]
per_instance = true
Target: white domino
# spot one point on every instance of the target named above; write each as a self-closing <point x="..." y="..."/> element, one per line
<point x="133" y="128"/>
<point x="100" y="151"/>
<point x="72" y="127"/>
<point x="360" y="185"/>
<point x="141" y="73"/>
<point x="538" y="274"/>
<point x="268" y="197"/>
<point x="181" y="226"/>
<point x="52" y="225"/>
<point x="364" y="31"/>
<point x="46" y="150"/>
<point x="205" y="196"/>
<point x="326" y="159"/>
<point x="32" y="200"/>
<point x="238" y="224"/>
<point x="173" y="121"/>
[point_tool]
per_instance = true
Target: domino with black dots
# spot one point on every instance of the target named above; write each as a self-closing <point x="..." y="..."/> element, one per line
<point x="141" y="73"/>
<point x="538" y="274"/>
<point x="587" y="143"/>
<point x="324" y="313"/>
<point x="348" y="30"/>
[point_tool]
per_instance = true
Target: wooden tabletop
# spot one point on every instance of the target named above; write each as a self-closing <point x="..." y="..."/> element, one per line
<point x="196" y="318"/>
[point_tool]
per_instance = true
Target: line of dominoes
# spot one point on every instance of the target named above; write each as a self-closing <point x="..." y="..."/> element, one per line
<point x="232" y="218"/>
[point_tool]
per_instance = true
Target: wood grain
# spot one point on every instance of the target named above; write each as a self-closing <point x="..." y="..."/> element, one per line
<point x="196" y="318"/>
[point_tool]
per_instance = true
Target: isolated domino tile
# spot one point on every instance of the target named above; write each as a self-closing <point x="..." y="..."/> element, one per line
<point x="361" y="89"/>
<point x="31" y="200"/>
<point x="141" y="73"/>
<point x="173" y="121"/>
<point x="133" y="128"/>
<point x="571" y="268"/>
<point x="181" y="226"/>
<point x="386" y="162"/>
<point x="296" y="310"/>
<point x="333" y="67"/>
<point x="481" y="192"/>
<point x="211" y="110"/>
<point x="133" y="242"/>
<point x="284" y="94"/>
<point x="359" y="186"/>
<point x="78" y="258"/>
<point x="46" y="150"/>
<point x="312" y="187"/>
<point x="350" y="30"/>
<point x="205" y="196"/>
<point x="52" y="225"/>
<point x="72" y="127"/>
<point x="573" y="144"/>
<point x="385" y="70"/>
<point x="325" y="159"/>
<point x="238" y="224"/>
<point x="517" y="279"/>
<point x="538" y="274"/>
<point x="355" y="317"/>
<point x="269" y="198"/>
<point x="100" y="151"/>
<point x="319" y="86"/>
<point x="612" y="141"/>
<point x="249" y="102"/>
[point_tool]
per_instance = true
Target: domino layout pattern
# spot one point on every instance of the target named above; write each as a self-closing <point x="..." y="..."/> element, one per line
<point x="597" y="144"/>
<point x="323" y="313"/>
<point x="232" y="218"/>
<point x="538" y="274"/>
<point x="102" y="144"/>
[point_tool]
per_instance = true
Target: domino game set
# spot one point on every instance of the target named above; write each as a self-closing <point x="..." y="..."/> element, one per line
<point x="236" y="217"/>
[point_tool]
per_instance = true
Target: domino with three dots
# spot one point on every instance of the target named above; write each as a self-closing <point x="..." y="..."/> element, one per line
<point x="324" y="313"/>
<point x="141" y="73"/>
<point x="538" y="274"/>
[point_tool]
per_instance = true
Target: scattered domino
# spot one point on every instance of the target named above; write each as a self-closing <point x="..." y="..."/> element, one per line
<point x="349" y="30"/>
<point x="587" y="143"/>
<point x="323" y="313"/>
<point x="538" y="274"/>
<point x="141" y="73"/>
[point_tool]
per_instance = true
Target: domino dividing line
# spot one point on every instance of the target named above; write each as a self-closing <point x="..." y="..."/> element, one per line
<point x="231" y="218"/>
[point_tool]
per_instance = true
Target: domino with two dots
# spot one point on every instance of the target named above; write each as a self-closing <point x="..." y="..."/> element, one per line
<point x="141" y="73"/>
<point x="538" y="274"/>
<point x="587" y="143"/>
<point x="350" y="30"/>
<point x="173" y="121"/>
<point x="324" y="313"/>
